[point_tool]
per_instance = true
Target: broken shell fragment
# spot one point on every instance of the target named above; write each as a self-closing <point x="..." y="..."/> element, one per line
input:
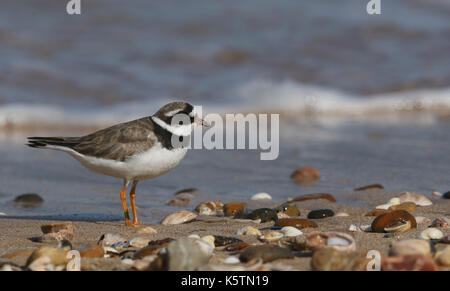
<point x="409" y="206"/>
<point x="210" y="208"/>
<point x="298" y="223"/>
<point x="271" y="236"/>
<point x="320" y="213"/>
<point x="110" y="239"/>
<point x="179" y="217"/>
<point x="338" y="241"/>
<point x="395" y="221"/>
<point x="291" y="231"/>
<point x="393" y="201"/>
<point x="261" y="196"/>
<point x="441" y="222"/>
<point x="418" y="199"/>
<point x="248" y="230"/>
<point x="431" y="233"/>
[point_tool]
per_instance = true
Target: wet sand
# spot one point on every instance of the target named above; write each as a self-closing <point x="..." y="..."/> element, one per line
<point x="16" y="232"/>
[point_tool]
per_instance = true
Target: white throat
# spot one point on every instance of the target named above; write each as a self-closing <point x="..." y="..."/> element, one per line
<point x="180" y="130"/>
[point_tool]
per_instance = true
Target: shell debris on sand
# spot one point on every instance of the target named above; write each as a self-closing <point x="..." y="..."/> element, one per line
<point x="431" y="233"/>
<point x="210" y="208"/>
<point x="338" y="241"/>
<point x="248" y="230"/>
<point x="410" y="247"/>
<point x="261" y="196"/>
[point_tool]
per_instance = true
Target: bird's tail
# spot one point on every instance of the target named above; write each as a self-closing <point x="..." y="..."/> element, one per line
<point x="48" y="142"/>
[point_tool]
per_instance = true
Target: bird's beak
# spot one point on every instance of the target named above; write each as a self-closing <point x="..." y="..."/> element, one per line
<point x="201" y="122"/>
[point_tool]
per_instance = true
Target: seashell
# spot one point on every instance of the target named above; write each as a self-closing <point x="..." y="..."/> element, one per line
<point x="231" y="209"/>
<point x="110" y="239"/>
<point x="408" y="263"/>
<point x="332" y="260"/>
<point x="187" y="254"/>
<point x="296" y="222"/>
<point x="306" y="176"/>
<point x="2" y="214"/>
<point x="393" y="201"/>
<point x="209" y="239"/>
<point x="267" y="253"/>
<point x="442" y="222"/>
<point x="436" y="194"/>
<point x="28" y="200"/>
<point x="366" y="228"/>
<point x="179" y="201"/>
<point x="140" y="242"/>
<point x="210" y="208"/>
<point x="410" y="247"/>
<point x="231" y="260"/>
<point x="418" y="199"/>
<point x="179" y="217"/>
<point x="338" y="241"/>
<point x="271" y="236"/>
<point x="408" y="206"/>
<point x="220" y="241"/>
<point x="261" y="196"/>
<point x="353" y="228"/>
<point x="320" y="213"/>
<point x="370" y="187"/>
<point x="376" y="212"/>
<point x="290" y="231"/>
<point x="147" y="230"/>
<point x="422" y="220"/>
<point x="289" y="209"/>
<point x="395" y="221"/>
<point x="443" y="257"/>
<point x="55" y="232"/>
<point x="341" y="214"/>
<point x="248" y="230"/>
<point x="431" y="233"/>
<point x="194" y="236"/>
<point x="314" y="196"/>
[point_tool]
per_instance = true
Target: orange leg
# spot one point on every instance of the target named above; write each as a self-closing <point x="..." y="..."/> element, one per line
<point x="123" y="198"/>
<point x="133" y="202"/>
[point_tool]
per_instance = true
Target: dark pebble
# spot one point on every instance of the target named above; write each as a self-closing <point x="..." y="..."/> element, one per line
<point x="320" y="213"/>
<point x="265" y="214"/>
<point x="220" y="241"/>
<point x="446" y="195"/>
<point x="288" y="209"/>
<point x="28" y="200"/>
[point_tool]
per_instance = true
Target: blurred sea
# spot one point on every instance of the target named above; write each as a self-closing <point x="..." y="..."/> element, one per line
<point x="366" y="99"/>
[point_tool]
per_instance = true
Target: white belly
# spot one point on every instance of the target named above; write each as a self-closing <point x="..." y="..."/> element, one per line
<point x="147" y="165"/>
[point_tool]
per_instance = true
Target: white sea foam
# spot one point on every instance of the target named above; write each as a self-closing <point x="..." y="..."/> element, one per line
<point x="286" y="97"/>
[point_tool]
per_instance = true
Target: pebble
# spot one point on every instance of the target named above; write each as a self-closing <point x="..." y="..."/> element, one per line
<point x="289" y="209"/>
<point x="44" y="256"/>
<point x="320" y="213"/>
<point x="376" y="212"/>
<point x="393" y="201"/>
<point x="179" y="201"/>
<point x="91" y="252"/>
<point x="446" y="195"/>
<point x="147" y="230"/>
<point x="140" y="242"/>
<point x="332" y="260"/>
<point x="186" y="254"/>
<point x="264" y="214"/>
<point x="410" y="247"/>
<point x="436" y="194"/>
<point x="231" y="209"/>
<point x="395" y="221"/>
<point x="443" y="257"/>
<point x="2" y="214"/>
<point x="267" y="253"/>
<point x="408" y="263"/>
<point x="306" y="176"/>
<point x="190" y="191"/>
<point x="248" y="230"/>
<point x="220" y="241"/>
<point x="261" y="196"/>
<point x="408" y="206"/>
<point x="231" y="260"/>
<point x="56" y="232"/>
<point x="315" y="196"/>
<point x="28" y="200"/>
<point x="298" y="223"/>
<point x="431" y="233"/>
<point x="239" y="246"/>
<point x="370" y="187"/>
<point x="179" y="217"/>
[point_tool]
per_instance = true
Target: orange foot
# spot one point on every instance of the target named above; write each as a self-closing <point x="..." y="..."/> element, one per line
<point x="132" y="224"/>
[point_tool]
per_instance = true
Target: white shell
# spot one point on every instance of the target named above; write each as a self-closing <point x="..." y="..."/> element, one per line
<point x="341" y="214"/>
<point x="231" y="260"/>
<point x="271" y="236"/>
<point x="261" y="196"/>
<point x="179" y="217"/>
<point x="2" y="214"/>
<point x="147" y="230"/>
<point x="291" y="231"/>
<point x="193" y="236"/>
<point x="209" y="239"/>
<point x="436" y="194"/>
<point x="418" y="199"/>
<point x="366" y="228"/>
<point x="354" y="228"/>
<point x="248" y="230"/>
<point x="431" y="233"/>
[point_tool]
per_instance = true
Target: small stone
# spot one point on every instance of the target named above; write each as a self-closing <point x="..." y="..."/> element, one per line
<point x="436" y="194"/>
<point x="441" y="222"/>
<point x="267" y="253"/>
<point x="28" y="200"/>
<point x="147" y="230"/>
<point x="237" y="246"/>
<point x="210" y="208"/>
<point x="325" y="196"/>
<point x="291" y="231"/>
<point x="265" y="214"/>
<point x="231" y="260"/>
<point x="140" y="242"/>
<point x="220" y="241"/>
<point x="261" y="196"/>
<point x="410" y="247"/>
<point x="187" y="254"/>
<point x="92" y="252"/>
<point x="338" y="241"/>
<point x="231" y="209"/>
<point x="289" y="209"/>
<point x="209" y="239"/>
<point x="179" y="217"/>
<point x="320" y="213"/>
<point x="296" y="222"/>
<point x="422" y="220"/>
<point x="179" y="202"/>
<point x="443" y="257"/>
<point x="56" y="232"/>
<point x="446" y="195"/>
<point x="370" y="187"/>
<point x="306" y="176"/>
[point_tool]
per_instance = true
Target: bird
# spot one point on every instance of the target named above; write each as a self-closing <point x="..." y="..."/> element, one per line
<point x="137" y="150"/>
